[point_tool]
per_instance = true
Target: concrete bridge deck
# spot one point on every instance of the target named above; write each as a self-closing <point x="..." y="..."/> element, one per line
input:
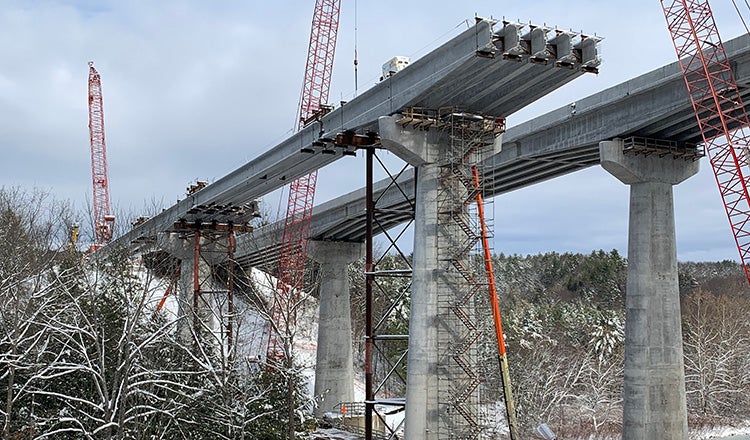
<point x="469" y="71"/>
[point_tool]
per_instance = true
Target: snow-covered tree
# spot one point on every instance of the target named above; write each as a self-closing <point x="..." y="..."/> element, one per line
<point x="716" y="334"/>
<point x="31" y="227"/>
<point x="83" y="356"/>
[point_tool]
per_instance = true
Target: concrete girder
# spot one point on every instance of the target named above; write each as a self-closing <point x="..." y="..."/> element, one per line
<point x="531" y="50"/>
<point x="284" y="163"/>
<point x="446" y="69"/>
<point x="679" y="129"/>
<point x="537" y="82"/>
<point x="531" y="173"/>
<point x="260" y="249"/>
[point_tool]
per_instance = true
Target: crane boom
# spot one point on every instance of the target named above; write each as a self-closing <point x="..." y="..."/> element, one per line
<point x="317" y="82"/>
<point x="315" y="89"/>
<point x="510" y="405"/>
<point x="103" y="220"/>
<point x="718" y="108"/>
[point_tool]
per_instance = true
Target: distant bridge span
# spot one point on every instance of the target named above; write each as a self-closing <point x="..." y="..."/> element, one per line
<point x="653" y="105"/>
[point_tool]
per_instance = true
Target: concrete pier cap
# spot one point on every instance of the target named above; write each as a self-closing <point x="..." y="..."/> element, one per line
<point x="630" y="168"/>
<point x="414" y="147"/>
<point x="213" y="251"/>
<point x="179" y="248"/>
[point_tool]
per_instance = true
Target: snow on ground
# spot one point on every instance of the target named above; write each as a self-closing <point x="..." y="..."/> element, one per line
<point x="333" y="434"/>
<point x="740" y="432"/>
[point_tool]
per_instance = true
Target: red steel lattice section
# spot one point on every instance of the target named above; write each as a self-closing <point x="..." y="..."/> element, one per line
<point x="319" y="66"/>
<point x="315" y="89"/>
<point x="718" y="107"/>
<point x="103" y="220"/>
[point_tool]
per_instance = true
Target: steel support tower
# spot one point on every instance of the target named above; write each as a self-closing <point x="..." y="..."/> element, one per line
<point x="387" y="287"/>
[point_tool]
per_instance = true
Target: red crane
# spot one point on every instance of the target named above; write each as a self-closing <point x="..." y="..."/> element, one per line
<point x="315" y="88"/>
<point x="718" y="108"/>
<point x="103" y="220"/>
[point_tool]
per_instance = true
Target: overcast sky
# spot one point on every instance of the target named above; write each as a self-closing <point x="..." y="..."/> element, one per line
<point x="194" y="89"/>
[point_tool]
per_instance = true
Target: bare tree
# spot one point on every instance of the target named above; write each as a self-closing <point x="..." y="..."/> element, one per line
<point x="283" y="317"/>
<point x="598" y="392"/>
<point x="33" y="227"/>
<point x="82" y="354"/>
<point x="715" y="334"/>
<point x="544" y="382"/>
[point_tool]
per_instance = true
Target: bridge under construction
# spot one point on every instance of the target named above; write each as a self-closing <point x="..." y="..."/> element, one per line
<point x="444" y="116"/>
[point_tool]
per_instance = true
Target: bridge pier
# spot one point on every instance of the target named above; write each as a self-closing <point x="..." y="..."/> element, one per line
<point x="421" y="149"/>
<point x="334" y="367"/>
<point x="443" y="398"/>
<point x="184" y="251"/>
<point x="654" y="404"/>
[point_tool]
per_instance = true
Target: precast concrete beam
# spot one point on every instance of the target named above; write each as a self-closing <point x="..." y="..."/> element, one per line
<point x="285" y="162"/>
<point x="524" y="61"/>
<point x="444" y="77"/>
<point x="562" y="141"/>
<point x="334" y="367"/>
<point x="655" y="105"/>
<point x="654" y="404"/>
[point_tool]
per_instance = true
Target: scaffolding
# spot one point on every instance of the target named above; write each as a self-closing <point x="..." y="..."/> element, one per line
<point x="212" y="304"/>
<point x="387" y="288"/>
<point x="462" y="282"/>
<point x="465" y="335"/>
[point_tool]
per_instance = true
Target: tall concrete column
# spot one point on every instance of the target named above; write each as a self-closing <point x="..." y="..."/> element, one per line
<point x="421" y="149"/>
<point x="654" y="405"/>
<point x="334" y="368"/>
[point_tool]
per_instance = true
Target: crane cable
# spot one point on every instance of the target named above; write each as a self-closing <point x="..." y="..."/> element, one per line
<point x="740" y="14"/>
<point x="356" y="61"/>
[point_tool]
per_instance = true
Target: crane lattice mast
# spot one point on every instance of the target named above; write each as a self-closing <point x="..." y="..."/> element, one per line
<point x="718" y="108"/>
<point x="103" y="219"/>
<point x="315" y="88"/>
